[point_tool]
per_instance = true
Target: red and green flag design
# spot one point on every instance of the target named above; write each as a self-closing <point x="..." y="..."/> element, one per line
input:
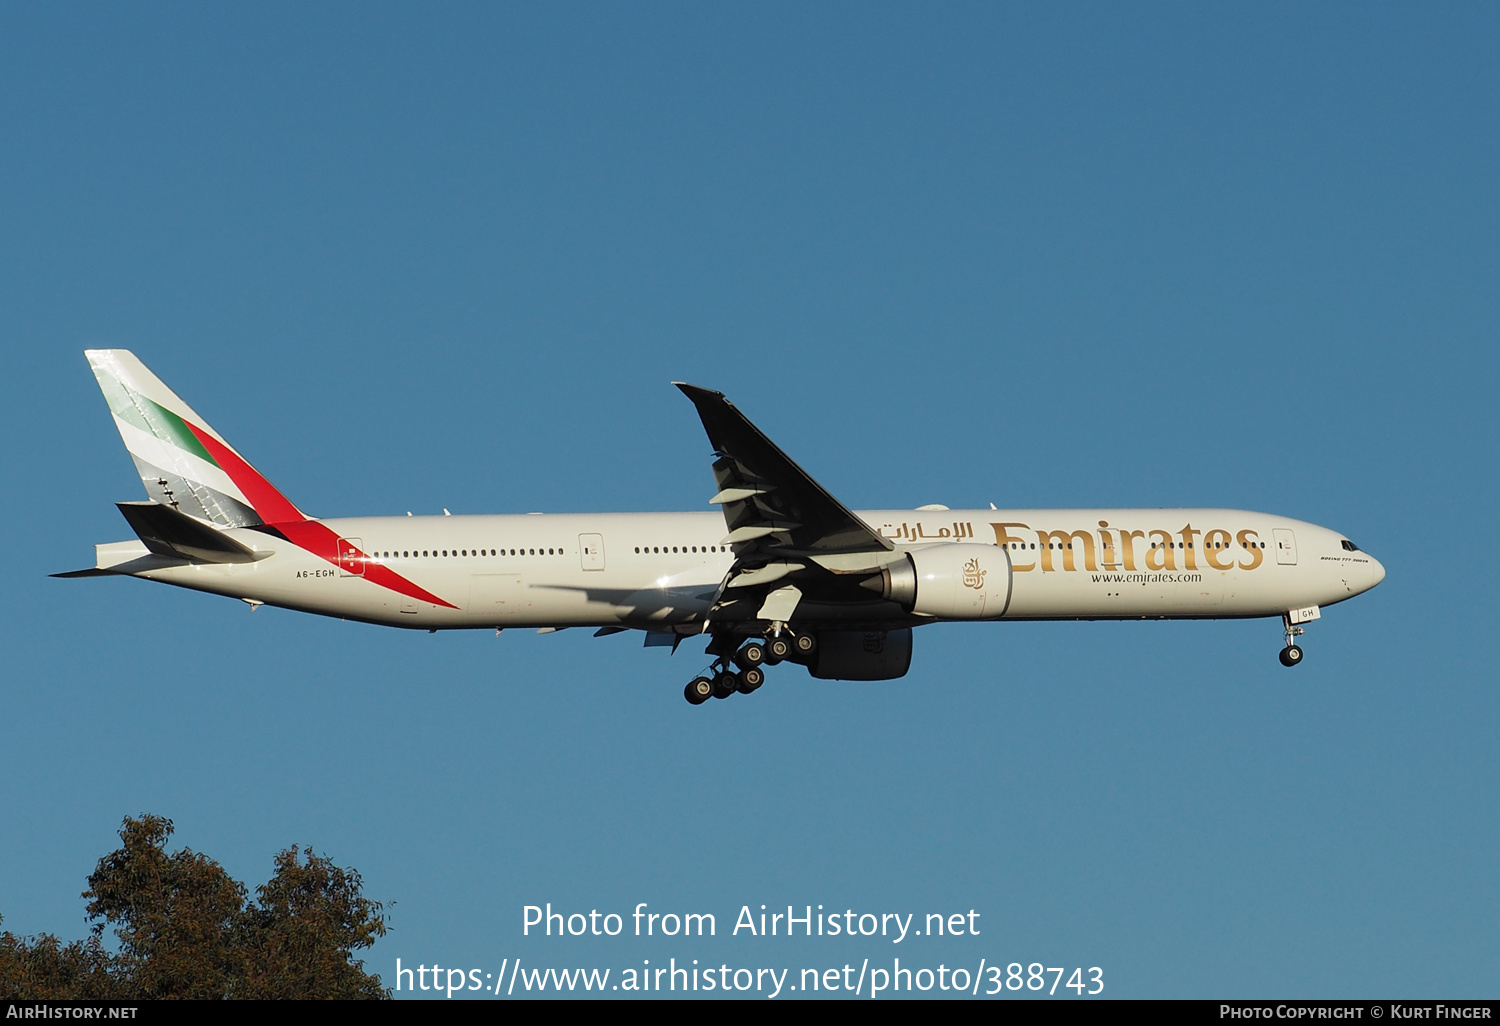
<point x="186" y="464"/>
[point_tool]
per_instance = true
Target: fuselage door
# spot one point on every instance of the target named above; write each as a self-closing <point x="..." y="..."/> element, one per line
<point x="591" y="551"/>
<point x="351" y="562"/>
<point x="1286" y="547"/>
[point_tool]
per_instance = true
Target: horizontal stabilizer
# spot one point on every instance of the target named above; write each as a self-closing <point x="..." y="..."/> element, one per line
<point x="167" y="532"/>
<point x="92" y="571"/>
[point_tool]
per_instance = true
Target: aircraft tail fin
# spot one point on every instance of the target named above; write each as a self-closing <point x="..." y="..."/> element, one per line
<point x="184" y="463"/>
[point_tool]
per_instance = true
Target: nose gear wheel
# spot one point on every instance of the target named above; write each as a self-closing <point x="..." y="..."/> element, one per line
<point x="1292" y="654"/>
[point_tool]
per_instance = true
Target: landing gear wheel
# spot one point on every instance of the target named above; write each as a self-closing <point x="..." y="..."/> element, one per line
<point x="698" y="690"/>
<point x="753" y="654"/>
<point x="777" y="649"/>
<point x="751" y="679"/>
<point x="726" y="684"/>
<point x="803" y="647"/>
<point x="1291" y="655"/>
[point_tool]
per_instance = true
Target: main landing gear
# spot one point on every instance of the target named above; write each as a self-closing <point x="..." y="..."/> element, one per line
<point x="1292" y="654"/>
<point x="725" y="680"/>
<point x="724" y="683"/>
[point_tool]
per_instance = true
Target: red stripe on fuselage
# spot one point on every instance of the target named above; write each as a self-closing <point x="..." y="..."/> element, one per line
<point x="278" y="512"/>
<point x="324" y="543"/>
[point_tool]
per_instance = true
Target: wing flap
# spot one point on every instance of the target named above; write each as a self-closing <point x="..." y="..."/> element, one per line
<point x="770" y="503"/>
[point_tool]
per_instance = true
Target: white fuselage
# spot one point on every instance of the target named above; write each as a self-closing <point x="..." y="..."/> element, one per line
<point x="663" y="570"/>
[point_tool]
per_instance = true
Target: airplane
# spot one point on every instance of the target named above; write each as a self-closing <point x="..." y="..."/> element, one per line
<point x="784" y="572"/>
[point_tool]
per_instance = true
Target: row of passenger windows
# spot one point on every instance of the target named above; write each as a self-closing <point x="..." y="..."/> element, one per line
<point x="658" y="549"/>
<point x="1155" y="545"/>
<point x="430" y="553"/>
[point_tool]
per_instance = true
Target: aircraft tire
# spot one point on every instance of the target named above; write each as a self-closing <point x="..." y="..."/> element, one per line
<point x="752" y="654"/>
<point x="698" y="690"/>
<point x="751" y="679"/>
<point x="726" y="684"/>
<point x="777" y="649"/>
<point x="1291" y="655"/>
<point x="804" y="646"/>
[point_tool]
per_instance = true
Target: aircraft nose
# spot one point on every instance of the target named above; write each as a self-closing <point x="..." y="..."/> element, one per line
<point x="1376" y="572"/>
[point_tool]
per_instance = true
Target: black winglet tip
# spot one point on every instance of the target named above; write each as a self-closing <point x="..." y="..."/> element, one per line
<point x="694" y="392"/>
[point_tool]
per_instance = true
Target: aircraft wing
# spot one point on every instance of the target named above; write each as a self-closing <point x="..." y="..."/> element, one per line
<point x="787" y="531"/>
<point x="771" y="505"/>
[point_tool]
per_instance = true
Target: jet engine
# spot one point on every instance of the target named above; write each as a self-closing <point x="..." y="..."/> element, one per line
<point x="862" y="655"/>
<point x="961" y="581"/>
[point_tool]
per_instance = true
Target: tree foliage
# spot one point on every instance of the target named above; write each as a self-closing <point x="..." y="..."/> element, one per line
<point x="186" y="930"/>
<point x="42" y="968"/>
<point x="310" y="916"/>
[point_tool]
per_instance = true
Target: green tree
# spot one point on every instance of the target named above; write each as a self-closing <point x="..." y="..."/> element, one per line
<point x="43" y="968"/>
<point x="177" y="916"/>
<point x="310" y="919"/>
<point x="186" y="930"/>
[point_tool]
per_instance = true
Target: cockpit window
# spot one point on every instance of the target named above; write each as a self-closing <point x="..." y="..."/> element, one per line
<point x="1349" y="546"/>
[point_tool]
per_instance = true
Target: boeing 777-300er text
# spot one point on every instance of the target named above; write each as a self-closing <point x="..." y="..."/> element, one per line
<point x="784" y="573"/>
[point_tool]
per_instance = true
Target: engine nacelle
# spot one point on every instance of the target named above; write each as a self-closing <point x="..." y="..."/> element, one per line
<point x="862" y="655"/>
<point x="954" y="582"/>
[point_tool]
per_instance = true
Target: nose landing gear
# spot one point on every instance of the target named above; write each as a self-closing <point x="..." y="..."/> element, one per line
<point x="1292" y="654"/>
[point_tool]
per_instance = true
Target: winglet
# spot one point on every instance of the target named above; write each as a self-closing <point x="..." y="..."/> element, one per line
<point x="772" y="497"/>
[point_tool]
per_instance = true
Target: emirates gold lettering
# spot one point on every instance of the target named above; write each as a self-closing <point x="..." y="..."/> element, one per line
<point x="1189" y="556"/>
<point x="1116" y="548"/>
<point x="1248" y="541"/>
<point x="1064" y="540"/>
<point x="1005" y="540"/>
<point x="1160" y="556"/>
<point x="1215" y="549"/>
<point x="1111" y="561"/>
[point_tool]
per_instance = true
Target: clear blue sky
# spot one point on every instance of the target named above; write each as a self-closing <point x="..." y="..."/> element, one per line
<point x="420" y="256"/>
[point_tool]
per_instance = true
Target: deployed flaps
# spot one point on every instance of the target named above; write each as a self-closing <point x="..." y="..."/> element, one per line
<point x="735" y="495"/>
<point x="769" y="502"/>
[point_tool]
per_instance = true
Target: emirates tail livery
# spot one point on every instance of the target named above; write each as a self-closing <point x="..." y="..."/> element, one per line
<point x="785" y="573"/>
